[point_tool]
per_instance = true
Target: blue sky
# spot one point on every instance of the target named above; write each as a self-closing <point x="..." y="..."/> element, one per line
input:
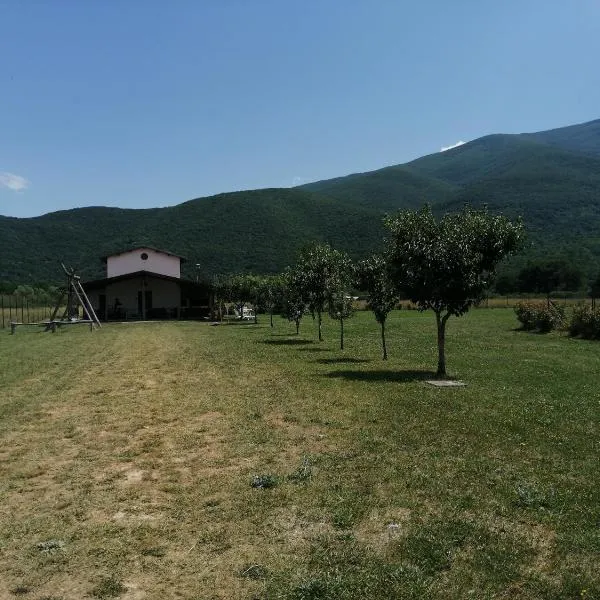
<point x="137" y="103"/>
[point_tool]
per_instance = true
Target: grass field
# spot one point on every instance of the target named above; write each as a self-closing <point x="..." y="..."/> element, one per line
<point x="127" y="457"/>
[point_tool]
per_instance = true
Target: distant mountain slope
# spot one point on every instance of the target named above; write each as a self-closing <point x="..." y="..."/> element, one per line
<point x="386" y="189"/>
<point x="259" y="230"/>
<point x="583" y="138"/>
<point x="551" y="179"/>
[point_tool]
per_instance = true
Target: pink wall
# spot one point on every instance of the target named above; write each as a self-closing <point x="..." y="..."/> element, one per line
<point x="130" y="262"/>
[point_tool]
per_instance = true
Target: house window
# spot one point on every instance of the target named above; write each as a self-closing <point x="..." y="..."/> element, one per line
<point x="144" y="256"/>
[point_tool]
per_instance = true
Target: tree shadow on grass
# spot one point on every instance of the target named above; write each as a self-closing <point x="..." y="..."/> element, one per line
<point x="292" y="342"/>
<point x="341" y="359"/>
<point x="314" y="349"/>
<point x="402" y="376"/>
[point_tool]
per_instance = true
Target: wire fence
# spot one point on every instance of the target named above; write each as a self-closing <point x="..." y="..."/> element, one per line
<point x="21" y="309"/>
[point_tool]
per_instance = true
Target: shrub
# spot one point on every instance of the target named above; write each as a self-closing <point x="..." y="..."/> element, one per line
<point x="585" y="322"/>
<point x="527" y="314"/>
<point x="540" y="316"/>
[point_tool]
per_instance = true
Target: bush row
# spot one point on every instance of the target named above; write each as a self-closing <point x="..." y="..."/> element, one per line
<point x="543" y="317"/>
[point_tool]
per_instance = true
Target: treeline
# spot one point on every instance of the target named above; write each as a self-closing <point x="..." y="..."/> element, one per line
<point x="546" y="277"/>
<point x="41" y="293"/>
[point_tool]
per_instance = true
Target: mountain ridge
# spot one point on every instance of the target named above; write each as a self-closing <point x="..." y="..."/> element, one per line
<point x="551" y="178"/>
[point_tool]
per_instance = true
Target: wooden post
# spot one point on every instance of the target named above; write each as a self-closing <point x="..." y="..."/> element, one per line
<point x="13" y="327"/>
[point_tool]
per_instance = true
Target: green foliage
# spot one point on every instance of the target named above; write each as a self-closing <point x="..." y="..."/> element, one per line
<point x="293" y="301"/>
<point x="585" y="322"/>
<point x="320" y="273"/>
<point x="373" y="277"/>
<point x="446" y="265"/>
<point x="339" y="306"/>
<point x="540" y="316"/>
<point x="549" y="276"/>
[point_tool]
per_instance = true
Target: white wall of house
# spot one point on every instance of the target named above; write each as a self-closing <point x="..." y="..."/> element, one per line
<point x="130" y="262"/>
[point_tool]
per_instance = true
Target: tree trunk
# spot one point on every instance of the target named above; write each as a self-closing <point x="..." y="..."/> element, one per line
<point x="297" y="326"/>
<point x="271" y="314"/>
<point x="319" y="322"/>
<point x="441" y="339"/>
<point x="341" y="334"/>
<point x="383" y="340"/>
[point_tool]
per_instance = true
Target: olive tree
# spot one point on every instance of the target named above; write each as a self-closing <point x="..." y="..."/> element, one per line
<point x="374" y="278"/>
<point x="339" y="306"/>
<point x="319" y="272"/>
<point x="271" y="292"/>
<point x="446" y="265"/>
<point x="293" y="301"/>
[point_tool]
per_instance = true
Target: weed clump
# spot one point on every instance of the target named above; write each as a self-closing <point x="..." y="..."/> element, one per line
<point x="303" y="473"/>
<point x="264" y="482"/>
<point x="109" y="587"/>
<point x="255" y="572"/>
<point x="50" y="546"/>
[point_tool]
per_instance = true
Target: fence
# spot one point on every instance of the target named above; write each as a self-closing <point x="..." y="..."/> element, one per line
<point x="22" y="310"/>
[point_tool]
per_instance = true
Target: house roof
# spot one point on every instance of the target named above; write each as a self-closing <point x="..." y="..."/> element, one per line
<point x="106" y="257"/>
<point x="100" y="283"/>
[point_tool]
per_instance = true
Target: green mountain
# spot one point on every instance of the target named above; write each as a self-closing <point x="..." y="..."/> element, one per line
<point x="554" y="186"/>
<point x="583" y="138"/>
<point x="550" y="178"/>
<point x="257" y="230"/>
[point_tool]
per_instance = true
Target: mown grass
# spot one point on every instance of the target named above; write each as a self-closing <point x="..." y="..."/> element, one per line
<point x="128" y="458"/>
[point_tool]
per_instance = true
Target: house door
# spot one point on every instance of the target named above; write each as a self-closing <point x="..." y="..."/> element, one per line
<point x="144" y="303"/>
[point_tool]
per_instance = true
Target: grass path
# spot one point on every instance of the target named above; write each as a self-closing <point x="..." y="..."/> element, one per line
<point x="126" y="457"/>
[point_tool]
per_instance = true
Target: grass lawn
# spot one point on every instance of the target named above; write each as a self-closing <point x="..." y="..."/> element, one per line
<point x="127" y="457"/>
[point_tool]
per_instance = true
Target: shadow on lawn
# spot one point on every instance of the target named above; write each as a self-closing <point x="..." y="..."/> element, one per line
<point x="292" y="342"/>
<point x="343" y="359"/>
<point x="405" y="376"/>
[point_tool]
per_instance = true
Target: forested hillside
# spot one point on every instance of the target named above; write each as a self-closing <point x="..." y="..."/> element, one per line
<point x="259" y="230"/>
<point x="551" y="179"/>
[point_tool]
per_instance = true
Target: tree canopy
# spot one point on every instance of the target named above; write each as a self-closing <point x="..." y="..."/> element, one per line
<point x="446" y="265"/>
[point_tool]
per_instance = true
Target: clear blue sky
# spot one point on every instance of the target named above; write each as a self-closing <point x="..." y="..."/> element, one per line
<point x="140" y="103"/>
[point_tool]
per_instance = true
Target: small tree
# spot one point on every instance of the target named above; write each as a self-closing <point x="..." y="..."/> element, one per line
<point x="320" y="271"/>
<point x="374" y="278"/>
<point x="294" y="305"/>
<point x="447" y="265"/>
<point x="244" y="289"/>
<point x="271" y="293"/>
<point x="340" y="309"/>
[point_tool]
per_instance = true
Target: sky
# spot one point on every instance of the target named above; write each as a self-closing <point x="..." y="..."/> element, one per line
<point x="141" y="103"/>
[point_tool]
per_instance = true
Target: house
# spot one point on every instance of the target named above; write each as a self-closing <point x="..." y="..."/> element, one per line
<point x="146" y="283"/>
